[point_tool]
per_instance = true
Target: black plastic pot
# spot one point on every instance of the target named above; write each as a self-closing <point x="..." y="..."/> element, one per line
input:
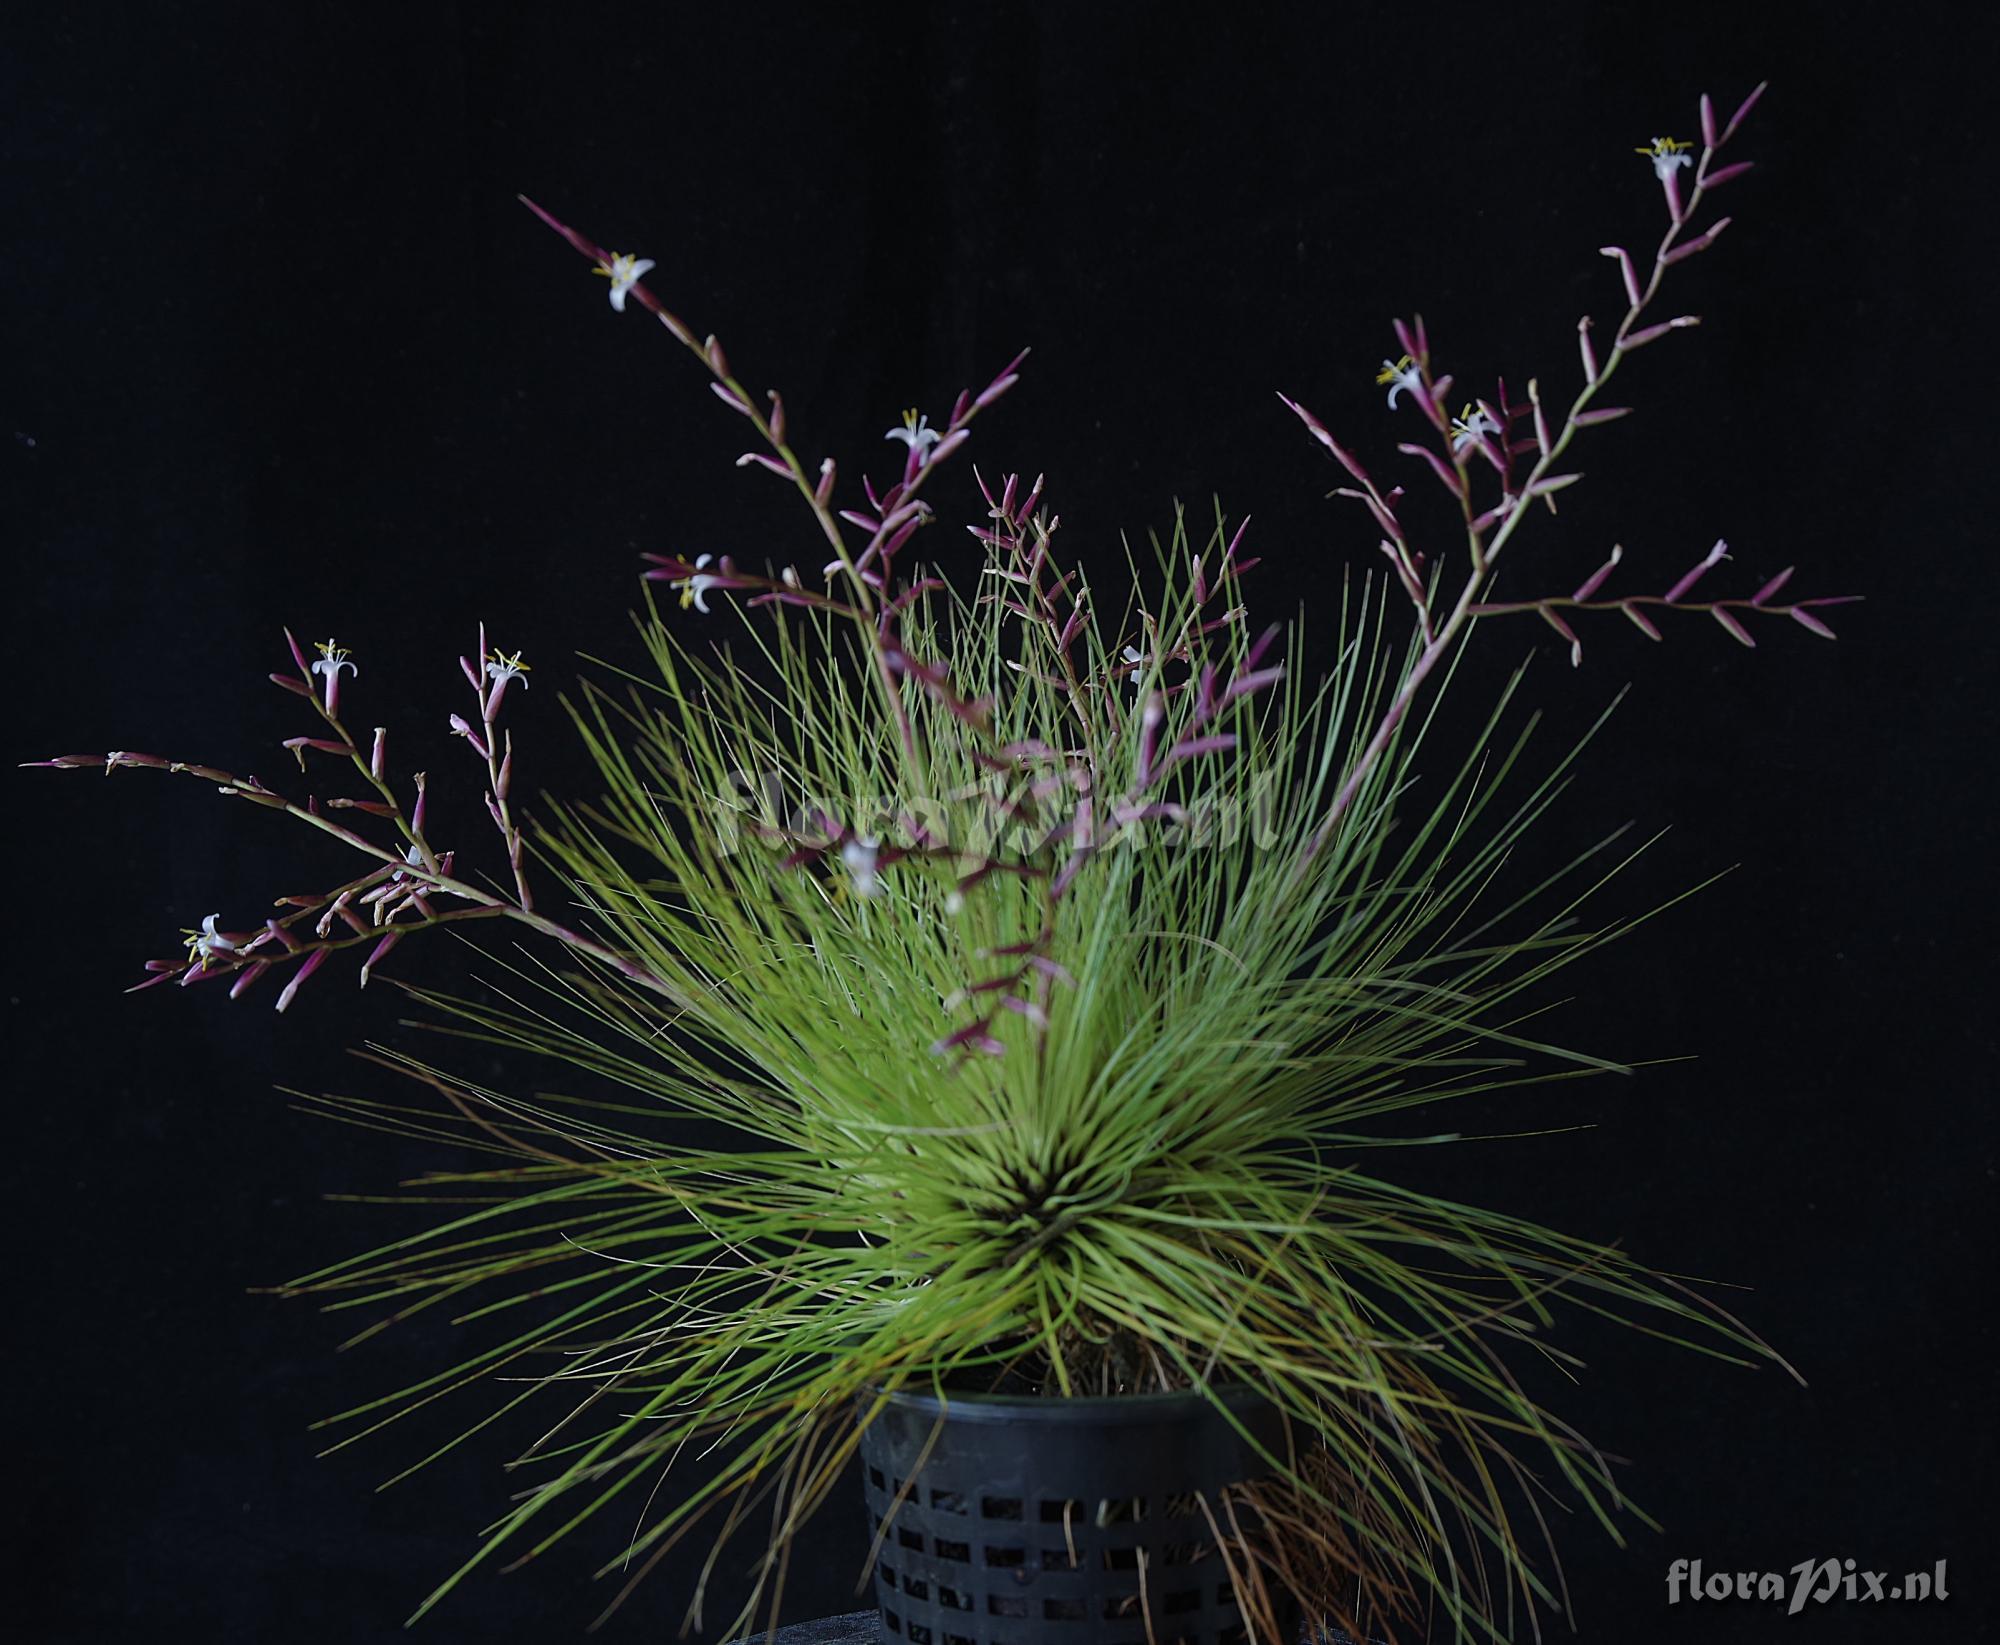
<point x="1027" y="1522"/>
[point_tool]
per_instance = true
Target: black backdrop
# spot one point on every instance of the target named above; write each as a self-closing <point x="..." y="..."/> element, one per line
<point x="282" y="349"/>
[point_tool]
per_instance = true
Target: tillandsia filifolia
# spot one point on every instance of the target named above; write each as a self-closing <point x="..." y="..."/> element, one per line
<point x="1048" y="963"/>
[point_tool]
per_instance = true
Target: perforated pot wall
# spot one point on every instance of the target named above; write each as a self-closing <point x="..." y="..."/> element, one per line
<point x="1028" y="1521"/>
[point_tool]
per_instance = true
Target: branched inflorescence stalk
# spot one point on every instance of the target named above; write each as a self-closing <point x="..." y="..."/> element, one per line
<point x="1067" y="802"/>
<point x="1484" y="430"/>
<point x="398" y="896"/>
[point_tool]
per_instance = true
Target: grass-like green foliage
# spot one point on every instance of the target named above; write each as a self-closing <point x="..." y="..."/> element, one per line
<point x="1164" y="1180"/>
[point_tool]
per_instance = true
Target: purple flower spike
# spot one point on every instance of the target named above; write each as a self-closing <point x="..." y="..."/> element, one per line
<point x="1009" y="376"/>
<point x="1151" y="718"/>
<point x="1676" y="208"/>
<point x="1194" y="747"/>
<point x="1555" y="621"/>
<point x="377" y="954"/>
<point x="461" y="728"/>
<point x="1743" y="109"/>
<point x="311" y="963"/>
<point x="974" y="1036"/>
<point x="1625" y="268"/>
<point x="1319" y="432"/>
<point x="1025" y="1008"/>
<point x="1772" y="586"/>
<point x="1641" y="621"/>
<point x="1066" y="875"/>
<point x="1700" y="243"/>
<point x="1595" y="580"/>
<point x="593" y="252"/>
<point x="1053" y="970"/>
<point x="1715" y="179"/>
<point x="1412" y="340"/>
<point x="1647" y="334"/>
<point x="1735" y="630"/>
<point x="1715" y="556"/>
<point x="1448" y="476"/>
<point x="299" y="745"/>
<point x="248" y="977"/>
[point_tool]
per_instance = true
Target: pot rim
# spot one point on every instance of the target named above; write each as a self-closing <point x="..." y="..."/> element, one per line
<point x="1060" y="1409"/>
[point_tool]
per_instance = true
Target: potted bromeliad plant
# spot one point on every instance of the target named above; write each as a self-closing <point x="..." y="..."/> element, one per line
<point x="1041" y="959"/>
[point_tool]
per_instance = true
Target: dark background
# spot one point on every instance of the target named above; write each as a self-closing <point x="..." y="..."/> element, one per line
<point x="282" y="349"/>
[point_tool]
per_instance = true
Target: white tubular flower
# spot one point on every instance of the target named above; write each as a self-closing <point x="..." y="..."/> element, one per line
<point x="1468" y="425"/>
<point x="1399" y="375"/>
<point x="208" y="941"/>
<point x="413" y="855"/>
<point x="332" y="659"/>
<point x="624" y="271"/>
<point x="858" y="855"/>
<point x="694" y="590"/>
<point x="1667" y="155"/>
<point x="916" y="433"/>
<point x="1136" y="661"/>
<point x="502" y="668"/>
